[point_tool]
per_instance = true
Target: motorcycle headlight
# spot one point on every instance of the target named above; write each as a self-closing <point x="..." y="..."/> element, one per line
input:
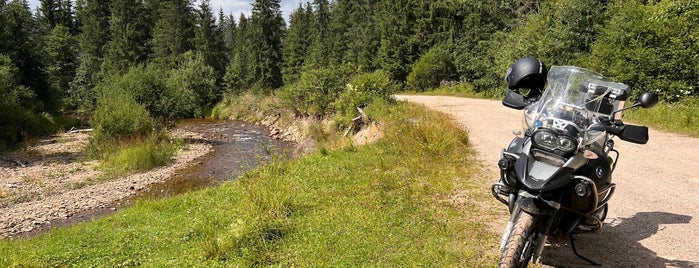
<point x="566" y="144"/>
<point x="550" y="141"/>
<point x="546" y="140"/>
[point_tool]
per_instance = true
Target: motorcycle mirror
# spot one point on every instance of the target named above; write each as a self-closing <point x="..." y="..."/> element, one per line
<point x="648" y="100"/>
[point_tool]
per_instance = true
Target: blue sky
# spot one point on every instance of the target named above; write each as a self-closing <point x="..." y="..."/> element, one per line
<point x="234" y="7"/>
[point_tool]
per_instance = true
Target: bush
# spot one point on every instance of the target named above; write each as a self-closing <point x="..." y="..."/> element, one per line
<point x="658" y="50"/>
<point x="117" y="118"/>
<point x="362" y="89"/>
<point x="314" y="93"/>
<point x="197" y="80"/>
<point x="18" y="105"/>
<point x="431" y="69"/>
<point x="147" y="87"/>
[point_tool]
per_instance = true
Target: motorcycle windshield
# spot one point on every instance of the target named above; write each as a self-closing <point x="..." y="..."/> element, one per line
<point x="573" y="99"/>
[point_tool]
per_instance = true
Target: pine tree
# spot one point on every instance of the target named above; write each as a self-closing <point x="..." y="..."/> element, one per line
<point x="129" y="32"/>
<point x="395" y="22"/>
<point x="62" y="50"/>
<point x="208" y="38"/>
<point x="267" y="33"/>
<point x="240" y="71"/>
<point x="173" y="31"/>
<point x="230" y="31"/>
<point x="24" y="47"/>
<point x="93" y="17"/>
<point x="296" y="43"/>
<point x="320" y="48"/>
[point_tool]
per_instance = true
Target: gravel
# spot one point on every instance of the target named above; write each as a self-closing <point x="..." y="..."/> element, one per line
<point x="652" y="217"/>
<point x="56" y="184"/>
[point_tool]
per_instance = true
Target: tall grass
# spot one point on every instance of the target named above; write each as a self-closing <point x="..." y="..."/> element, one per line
<point x="140" y="154"/>
<point x="387" y="204"/>
<point x="681" y="117"/>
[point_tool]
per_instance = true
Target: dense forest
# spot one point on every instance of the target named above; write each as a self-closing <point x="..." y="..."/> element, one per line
<point x="166" y="59"/>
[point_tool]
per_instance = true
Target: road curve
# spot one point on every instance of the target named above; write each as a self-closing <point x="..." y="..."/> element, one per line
<point x="652" y="220"/>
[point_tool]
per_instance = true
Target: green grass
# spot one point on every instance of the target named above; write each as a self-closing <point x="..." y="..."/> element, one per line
<point x="681" y="117"/>
<point x="388" y="204"/>
<point x="139" y="155"/>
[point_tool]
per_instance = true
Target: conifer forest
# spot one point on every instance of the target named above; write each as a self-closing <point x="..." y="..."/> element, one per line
<point x="171" y="59"/>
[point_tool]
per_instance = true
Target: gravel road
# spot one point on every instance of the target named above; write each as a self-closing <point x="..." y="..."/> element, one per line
<point x="652" y="217"/>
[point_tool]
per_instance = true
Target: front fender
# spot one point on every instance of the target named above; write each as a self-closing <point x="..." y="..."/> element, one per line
<point x="536" y="205"/>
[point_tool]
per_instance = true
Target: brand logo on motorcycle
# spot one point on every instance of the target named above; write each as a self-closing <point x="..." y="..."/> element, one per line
<point x="600" y="172"/>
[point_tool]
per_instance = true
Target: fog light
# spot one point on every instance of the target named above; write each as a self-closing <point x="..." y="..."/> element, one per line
<point x="582" y="189"/>
<point x="505" y="163"/>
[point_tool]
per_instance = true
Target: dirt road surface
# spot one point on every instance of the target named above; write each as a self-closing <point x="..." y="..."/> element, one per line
<point x="652" y="220"/>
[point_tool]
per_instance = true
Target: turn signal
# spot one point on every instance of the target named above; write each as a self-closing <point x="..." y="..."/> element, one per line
<point x="590" y="154"/>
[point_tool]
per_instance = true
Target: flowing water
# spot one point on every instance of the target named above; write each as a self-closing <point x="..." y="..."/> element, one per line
<point x="237" y="147"/>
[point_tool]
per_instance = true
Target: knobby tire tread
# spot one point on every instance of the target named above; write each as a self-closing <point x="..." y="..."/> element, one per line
<point x="516" y="241"/>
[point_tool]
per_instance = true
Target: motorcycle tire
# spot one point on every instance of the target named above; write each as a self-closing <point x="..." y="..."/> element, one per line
<point x="518" y="249"/>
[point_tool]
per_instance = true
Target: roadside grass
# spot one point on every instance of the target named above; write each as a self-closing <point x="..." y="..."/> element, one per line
<point x="387" y="204"/>
<point x="681" y="117"/>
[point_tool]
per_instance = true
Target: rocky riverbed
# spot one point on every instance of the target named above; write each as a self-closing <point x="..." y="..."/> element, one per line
<point x="51" y="182"/>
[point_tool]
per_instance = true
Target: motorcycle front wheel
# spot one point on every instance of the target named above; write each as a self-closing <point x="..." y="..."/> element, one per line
<point x="518" y="249"/>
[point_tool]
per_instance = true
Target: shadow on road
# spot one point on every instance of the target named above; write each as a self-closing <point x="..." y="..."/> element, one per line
<point x="618" y="245"/>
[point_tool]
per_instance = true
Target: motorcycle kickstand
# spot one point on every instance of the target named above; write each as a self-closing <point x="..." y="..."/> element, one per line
<point x="572" y="244"/>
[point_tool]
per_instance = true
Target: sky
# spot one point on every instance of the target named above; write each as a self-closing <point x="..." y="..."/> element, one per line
<point x="234" y="7"/>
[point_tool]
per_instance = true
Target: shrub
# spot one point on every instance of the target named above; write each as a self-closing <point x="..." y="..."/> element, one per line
<point x="362" y="89"/>
<point x="147" y="87"/>
<point x="118" y="117"/>
<point x="18" y="105"/>
<point x="196" y="80"/>
<point x="314" y="93"/>
<point x="433" y="67"/>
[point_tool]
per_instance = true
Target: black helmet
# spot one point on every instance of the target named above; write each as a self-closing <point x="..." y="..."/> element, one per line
<point x="529" y="73"/>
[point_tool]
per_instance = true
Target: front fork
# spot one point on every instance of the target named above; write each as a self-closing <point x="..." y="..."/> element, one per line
<point x="543" y="219"/>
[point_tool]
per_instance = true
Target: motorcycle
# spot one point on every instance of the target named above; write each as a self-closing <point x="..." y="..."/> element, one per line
<point x="556" y="174"/>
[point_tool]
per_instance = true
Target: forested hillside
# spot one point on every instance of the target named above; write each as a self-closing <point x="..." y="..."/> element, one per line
<point x="174" y="59"/>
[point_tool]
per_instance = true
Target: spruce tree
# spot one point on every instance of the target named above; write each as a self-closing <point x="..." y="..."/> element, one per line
<point x="239" y="73"/>
<point x="395" y="22"/>
<point x="62" y="50"/>
<point x="208" y="38"/>
<point x="24" y="48"/>
<point x="93" y="18"/>
<point x="49" y="13"/>
<point x="173" y="32"/>
<point x="4" y="36"/>
<point x="129" y="32"/>
<point x="296" y="43"/>
<point x="320" y="48"/>
<point x="267" y="33"/>
<point x="230" y="31"/>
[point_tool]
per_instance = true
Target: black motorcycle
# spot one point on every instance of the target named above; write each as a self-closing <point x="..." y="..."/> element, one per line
<point x="556" y="174"/>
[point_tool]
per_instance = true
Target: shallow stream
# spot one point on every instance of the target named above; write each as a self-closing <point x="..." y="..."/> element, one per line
<point x="237" y="147"/>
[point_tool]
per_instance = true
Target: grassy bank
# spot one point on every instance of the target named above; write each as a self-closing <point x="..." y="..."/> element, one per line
<point x="681" y="117"/>
<point x="407" y="200"/>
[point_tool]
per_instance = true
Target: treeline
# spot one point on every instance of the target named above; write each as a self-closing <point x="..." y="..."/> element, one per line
<point x="177" y="60"/>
